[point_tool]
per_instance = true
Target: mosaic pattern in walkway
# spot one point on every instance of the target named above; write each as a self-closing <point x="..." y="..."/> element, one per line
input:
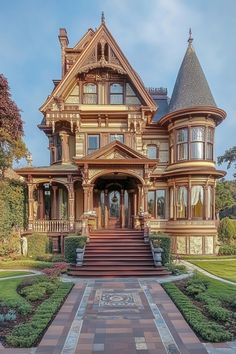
<point x="130" y="316"/>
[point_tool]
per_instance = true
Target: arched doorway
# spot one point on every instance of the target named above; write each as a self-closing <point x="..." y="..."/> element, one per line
<point x="116" y="200"/>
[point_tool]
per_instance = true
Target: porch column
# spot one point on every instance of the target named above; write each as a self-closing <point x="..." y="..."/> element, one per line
<point x="86" y="195"/>
<point x="54" y="202"/>
<point x="106" y="207"/>
<point x="145" y="196"/>
<point x="41" y="204"/>
<point x="135" y="202"/>
<point x="122" y="208"/>
<point x="65" y="146"/>
<point x="140" y="201"/>
<point x="90" y="197"/>
<point x="31" y="187"/>
<point x="71" y="207"/>
<point x="214" y="202"/>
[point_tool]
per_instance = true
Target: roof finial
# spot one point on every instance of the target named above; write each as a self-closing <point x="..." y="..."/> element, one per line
<point x="190" y="38"/>
<point x="103" y="18"/>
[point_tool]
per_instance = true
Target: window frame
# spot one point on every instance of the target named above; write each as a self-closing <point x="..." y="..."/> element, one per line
<point x="202" y="217"/>
<point x="194" y="141"/>
<point x="89" y="94"/>
<point x="123" y="138"/>
<point x="155" y="209"/>
<point x="91" y="150"/>
<point x="157" y="151"/>
<point x="184" y="143"/>
<point x="121" y="94"/>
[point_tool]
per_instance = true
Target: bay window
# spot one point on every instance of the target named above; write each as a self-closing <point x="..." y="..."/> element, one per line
<point x="182" y="202"/>
<point x="197" y="198"/>
<point x="157" y="203"/>
<point x="182" y="144"/>
<point x="151" y="201"/>
<point x="197" y="143"/>
<point x="210" y="142"/>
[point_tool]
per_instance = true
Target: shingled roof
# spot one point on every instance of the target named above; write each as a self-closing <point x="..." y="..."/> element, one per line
<point x="191" y="88"/>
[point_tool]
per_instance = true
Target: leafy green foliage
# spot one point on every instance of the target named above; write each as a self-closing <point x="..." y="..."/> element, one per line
<point x="71" y="243"/>
<point x="9" y="316"/>
<point x="27" y="335"/>
<point x="224" y="196"/>
<point x="227" y="230"/>
<point x="176" y="269"/>
<point x="12" y="146"/>
<point x="39" y="290"/>
<point x="163" y="241"/>
<point x="13" y="213"/>
<point x="38" y="244"/>
<point x="229" y="157"/>
<point x="207" y="330"/>
<point x="227" y="250"/>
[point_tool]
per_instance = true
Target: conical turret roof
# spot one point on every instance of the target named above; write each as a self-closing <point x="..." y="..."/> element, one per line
<point x="191" y="88"/>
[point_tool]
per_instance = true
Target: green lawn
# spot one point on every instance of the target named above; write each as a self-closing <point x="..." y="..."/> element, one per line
<point x="210" y="258"/>
<point x="12" y="273"/>
<point x="223" y="269"/>
<point x="25" y="263"/>
<point x="8" y="291"/>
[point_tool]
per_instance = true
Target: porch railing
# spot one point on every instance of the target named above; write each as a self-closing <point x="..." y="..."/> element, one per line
<point x="51" y="226"/>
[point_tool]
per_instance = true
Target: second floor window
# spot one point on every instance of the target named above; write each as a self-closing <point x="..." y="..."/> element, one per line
<point x="152" y="152"/>
<point x="182" y="144"/>
<point x="90" y="94"/>
<point x="93" y="143"/>
<point x="116" y="94"/>
<point x="119" y="137"/>
<point x="197" y="143"/>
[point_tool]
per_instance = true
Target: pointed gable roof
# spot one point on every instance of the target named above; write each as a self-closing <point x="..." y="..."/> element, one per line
<point x="125" y="68"/>
<point x="191" y="88"/>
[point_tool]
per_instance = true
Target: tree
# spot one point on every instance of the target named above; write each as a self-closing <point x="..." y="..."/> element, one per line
<point x="229" y="157"/>
<point x="224" y="196"/>
<point x="12" y="146"/>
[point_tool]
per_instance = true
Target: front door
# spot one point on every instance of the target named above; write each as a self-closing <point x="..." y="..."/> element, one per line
<point x="114" y="214"/>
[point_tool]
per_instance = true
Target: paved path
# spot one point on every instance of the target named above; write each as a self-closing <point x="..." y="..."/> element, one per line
<point x="113" y="317"/>
<point x="193" y="267"/>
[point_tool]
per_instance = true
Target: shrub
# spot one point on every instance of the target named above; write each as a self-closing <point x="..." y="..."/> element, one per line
<point x="195" y="289"/>
<point x="9" y="316"/>
<point x="26" y="335"/>
<point x="164" y="241"/>
<point x="218" y="313"/>
<point x="71" y="243"/>
<point x="38" y="290"/>
<point x="206" y="329"/>
<point x="227" y="250"/>
<point x="176" y="269"/>
<point x="38" y="245"/>
<point x="227" y="230"/>
<point x="197" y="279"/>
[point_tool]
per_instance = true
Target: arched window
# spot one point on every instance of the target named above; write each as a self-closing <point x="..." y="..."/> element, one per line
<point x="116" y="94"/>
<point x="152" y="152"/>
<point x="90" y="94"/>
<point x="197" y="201"/>
<point x="182" y="205"/>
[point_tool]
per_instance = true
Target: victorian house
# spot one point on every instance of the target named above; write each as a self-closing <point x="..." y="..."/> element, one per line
<point x="123" y="156"/>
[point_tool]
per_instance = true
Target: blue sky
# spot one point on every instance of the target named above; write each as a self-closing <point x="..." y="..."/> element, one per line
<point x="152" y="34"/>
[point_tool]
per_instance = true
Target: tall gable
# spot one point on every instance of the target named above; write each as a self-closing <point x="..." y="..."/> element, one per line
<point x="96" y="50"/>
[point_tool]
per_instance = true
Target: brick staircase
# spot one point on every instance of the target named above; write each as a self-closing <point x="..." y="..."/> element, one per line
<point x="117" y="253"/>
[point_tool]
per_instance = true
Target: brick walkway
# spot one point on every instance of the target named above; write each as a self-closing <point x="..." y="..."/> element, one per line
<point x="129" y="316"/>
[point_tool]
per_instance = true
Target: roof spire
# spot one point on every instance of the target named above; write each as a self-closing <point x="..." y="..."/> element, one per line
<point x="190" y="38"/>
<point x="103" y="17"/>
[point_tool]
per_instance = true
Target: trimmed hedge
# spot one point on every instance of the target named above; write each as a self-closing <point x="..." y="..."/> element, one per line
<point x="38" y="244"/>
<point x="227" y="230"/>
<point x="207" y="330"/>
<point x="227" y="250"/>
<point x="26" y="335"/>
<point x="164" y="241"/>
<point x="71" y="243"/>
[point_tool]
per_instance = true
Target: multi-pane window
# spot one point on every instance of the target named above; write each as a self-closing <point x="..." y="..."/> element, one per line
<point x="182" y="203"/>
<point x="152" y="151"/>
<point x="116" y="94"/>
<point x="157" y="203"/>
<point x="182" y="144"/>
<point x="90" y="94"/>
<point x="130" y="95"/>
<point x="93" y="143"/>
<point x="210" y="142"/>
<point x="119" y="137"/>
<point x="197" y="198"/>
<point x="197" y="143"/>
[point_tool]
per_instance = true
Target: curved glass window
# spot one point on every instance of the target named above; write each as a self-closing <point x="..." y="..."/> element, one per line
<point x="197" y="143"/>
<point x="210" y="142"/>
<point x="182" y="144"/>
<point x="116" y="94"/>
<point x="90" y="94"/>
<point x="197" y="201"/>
<point x="182" y="205"/>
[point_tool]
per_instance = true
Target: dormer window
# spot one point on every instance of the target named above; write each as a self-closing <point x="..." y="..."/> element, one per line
<point x="90" y="94"/>
<point x="116" y="94"/>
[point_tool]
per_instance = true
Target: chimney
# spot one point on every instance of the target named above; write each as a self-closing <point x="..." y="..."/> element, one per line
<point x="64" y="44"/>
